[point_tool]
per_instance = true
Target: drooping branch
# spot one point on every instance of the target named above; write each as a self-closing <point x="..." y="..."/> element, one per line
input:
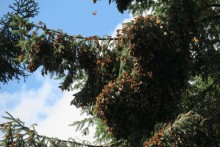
<point x="58" y="52"/>
<point x="210" y="18"/>
<point x="28" y="26"/>
<point x="209" y="6"/>
<point x="16" y="133"/>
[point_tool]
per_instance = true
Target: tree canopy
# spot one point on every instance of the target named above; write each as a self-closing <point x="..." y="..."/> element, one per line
<point x="155" y="84"/>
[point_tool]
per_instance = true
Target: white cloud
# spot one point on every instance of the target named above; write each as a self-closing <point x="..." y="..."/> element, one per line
<point x="47" y="106"/>
<point x="119" y="26"/>
<point x="61" y="116"/>
<point x="26" y="103"/>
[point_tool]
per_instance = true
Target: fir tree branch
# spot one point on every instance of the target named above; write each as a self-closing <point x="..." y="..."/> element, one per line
<point x="15" y="124"/>
<point x="187" y="130"/>
<point x="43" y="27"/>
<point x="210" y="18"/>
<point x="207" y="43"/>
<point x="209" y="6"/>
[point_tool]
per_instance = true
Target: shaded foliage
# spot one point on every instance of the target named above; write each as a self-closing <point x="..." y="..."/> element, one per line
<point x="151" y="79"/>
<point x="9" y="67"/>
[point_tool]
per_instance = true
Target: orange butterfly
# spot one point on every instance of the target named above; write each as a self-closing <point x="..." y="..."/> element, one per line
<point x="195" y="40"/>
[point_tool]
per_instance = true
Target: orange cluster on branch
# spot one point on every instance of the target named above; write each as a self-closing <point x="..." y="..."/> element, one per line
<point x="155" y="140"/>
<point x="153" y="73"/>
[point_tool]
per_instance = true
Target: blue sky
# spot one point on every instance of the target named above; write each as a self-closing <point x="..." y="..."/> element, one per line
<point x="39" y="100"/>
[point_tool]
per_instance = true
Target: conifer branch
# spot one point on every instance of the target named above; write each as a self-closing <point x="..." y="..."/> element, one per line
<point x="187" y="128"/>
<point x="210" y="18"/>
<point x="20" y="132"/>
<point x="24" y="23"/>
<point x="209" y="6"/>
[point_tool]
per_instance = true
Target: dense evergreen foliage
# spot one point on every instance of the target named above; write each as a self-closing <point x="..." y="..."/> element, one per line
<point x="9" y="67"/>
<point x="155" y="84"/>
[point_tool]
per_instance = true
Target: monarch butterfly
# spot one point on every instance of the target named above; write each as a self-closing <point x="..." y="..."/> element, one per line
<point x="157" y="21"/>
<point x="195" y="40"/>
